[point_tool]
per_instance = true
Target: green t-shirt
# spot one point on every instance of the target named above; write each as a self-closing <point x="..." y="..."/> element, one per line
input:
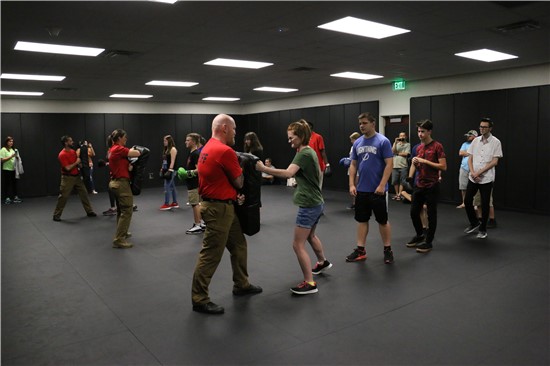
<point x="8" y="164"/>
<point x="308" y="190"/>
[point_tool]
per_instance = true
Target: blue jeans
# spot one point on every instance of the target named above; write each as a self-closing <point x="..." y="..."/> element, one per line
<point x="170" y="188"/>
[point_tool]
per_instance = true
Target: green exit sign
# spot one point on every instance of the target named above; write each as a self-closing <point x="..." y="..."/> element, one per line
<point x="399" y="85"/>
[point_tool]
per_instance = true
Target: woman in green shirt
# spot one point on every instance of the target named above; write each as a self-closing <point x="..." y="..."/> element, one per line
<point x="9" y="183"/>
<point x="308" y="197"/>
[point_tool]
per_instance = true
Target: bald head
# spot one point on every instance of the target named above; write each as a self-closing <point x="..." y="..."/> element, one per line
<point x="224" y="129"/>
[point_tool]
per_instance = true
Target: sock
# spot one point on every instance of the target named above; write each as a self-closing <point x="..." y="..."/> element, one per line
<point x="387" y="248"/>
<point x="312" y="283"/>
<point x="361" y="249"/>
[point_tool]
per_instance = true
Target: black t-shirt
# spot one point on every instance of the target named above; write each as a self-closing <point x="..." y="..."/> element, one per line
<point x="192" y="161"/>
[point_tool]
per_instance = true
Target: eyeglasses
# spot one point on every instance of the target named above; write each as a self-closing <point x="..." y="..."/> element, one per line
<point x="484" y="126"/>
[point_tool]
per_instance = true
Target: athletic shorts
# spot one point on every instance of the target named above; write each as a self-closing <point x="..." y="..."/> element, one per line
<point x="367" y="202"/>
<point x="308" y="217"/>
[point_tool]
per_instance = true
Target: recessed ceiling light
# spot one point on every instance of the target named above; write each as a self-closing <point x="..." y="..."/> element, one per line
<point x="31" y="94"/>
<point x="356" y="75"/>
<point x="364" y="28"/>
<point x="139" y="96"/>
<point x="171" y="83"/>
<point x="238" y="63"/>
<point x="32" y="77"/>
<point x="57" y="48"/>
<point x="221" y="99"/>
<point x="165" y="1"/>
<point x="486" y="55"/>
<point x="275" y="89"/>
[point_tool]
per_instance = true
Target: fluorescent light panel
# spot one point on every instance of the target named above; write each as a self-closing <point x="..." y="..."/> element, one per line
<point x="32" y="77"/>
<point x="30" y="94"/>
<point x="238" y="63"/>
<point x="57" y="48"/>
<point x="138" y="96"/>
<point x="171" y="83"/>
<point x="221" y="99"/>
<point x="486" y="55"/>
<point x="165" y="1"/>
<point x="364" y="28"/>
<point x="275" y="89"/>
<point x="356" y="75"/>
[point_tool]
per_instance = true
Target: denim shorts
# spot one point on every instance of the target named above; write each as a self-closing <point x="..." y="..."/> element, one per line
<point x="308" y="217"/>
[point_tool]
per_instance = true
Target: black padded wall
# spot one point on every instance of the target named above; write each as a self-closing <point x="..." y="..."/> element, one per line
<point x="521" y="122"/>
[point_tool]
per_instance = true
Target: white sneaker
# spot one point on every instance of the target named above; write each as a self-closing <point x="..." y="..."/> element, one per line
<point x="196" y="229"/>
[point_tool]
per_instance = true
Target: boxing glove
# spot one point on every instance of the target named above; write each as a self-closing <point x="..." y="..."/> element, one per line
<point x="328" y="171"/>
<point x="346" y="162"/>
<point x="167" y="175"/>
<point x="182" y="174"/>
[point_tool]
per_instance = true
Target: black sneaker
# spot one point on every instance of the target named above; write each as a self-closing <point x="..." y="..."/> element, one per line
<point x="56" y="218"/>
<point x="91" y="214"/>
<point x="357" y="255"/>
<point x="388" y="256"/>
<point x="424" y="247"/>
<point x="304" y="288"/>
<point x="491" y="224"/>
<point x="470" y="229"/>
<point x="415" y="241"/>
<point x="321" y="267"/>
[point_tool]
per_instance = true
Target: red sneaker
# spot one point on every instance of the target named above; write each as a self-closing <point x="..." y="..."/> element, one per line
<point x="175" y="205"/>
<point x="165" y="207"/>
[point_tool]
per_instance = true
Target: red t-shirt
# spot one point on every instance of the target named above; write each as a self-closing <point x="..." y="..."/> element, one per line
<point x="118" y="161"/>
<point x="68" y="157"/>
<point x="317" y="143"/>
<point x="218" y="166"/>
<point x="428" y="176"/>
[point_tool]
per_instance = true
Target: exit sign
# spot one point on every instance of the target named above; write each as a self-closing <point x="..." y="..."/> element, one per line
<point x="399" y="85"/>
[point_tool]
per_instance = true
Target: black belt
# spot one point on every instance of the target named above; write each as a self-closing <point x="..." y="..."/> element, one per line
<point x="229" y="202"/>
<point x="120" y="178"/>
<point x="71" y="175"/>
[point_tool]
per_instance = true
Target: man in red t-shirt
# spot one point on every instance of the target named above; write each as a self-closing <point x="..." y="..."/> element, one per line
<point x="70" y="178"/>
<point x="429" y="161"/>
<point x="220" y="176"/>
<point x="317" y="143"/>
<point x="119" y="185"/>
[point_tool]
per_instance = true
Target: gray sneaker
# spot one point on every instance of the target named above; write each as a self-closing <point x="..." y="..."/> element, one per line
<point x="470" y="229"/>
<point x="482" y="235"/>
